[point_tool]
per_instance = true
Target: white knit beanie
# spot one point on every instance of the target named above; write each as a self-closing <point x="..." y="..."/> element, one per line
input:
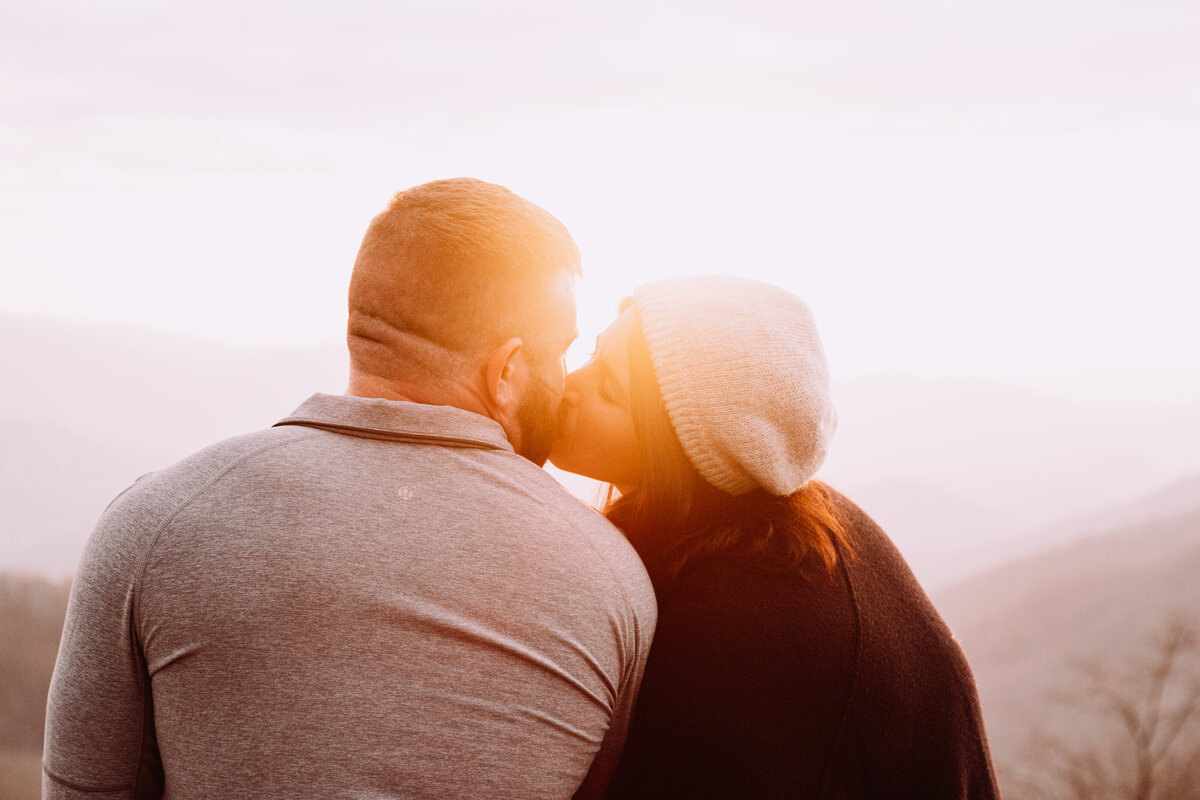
<point x="743" y="378"/>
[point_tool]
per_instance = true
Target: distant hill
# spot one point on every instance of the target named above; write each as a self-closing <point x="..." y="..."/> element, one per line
<point x="943" y="536"/>
<point x="95" y="407"/>
<point x="1033" y="457"/>
<point x="1028" y="626"/>
<point x="150" y="392"/>
<point x="55" y="489"/>
<point x="31" y="618"/>
<point x="966" y="474"/>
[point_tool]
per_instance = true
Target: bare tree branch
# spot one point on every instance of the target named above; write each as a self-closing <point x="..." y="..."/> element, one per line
<point x="1149" y="703"/>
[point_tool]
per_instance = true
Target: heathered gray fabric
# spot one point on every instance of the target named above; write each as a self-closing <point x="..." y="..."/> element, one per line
<point x="373" y="599"/>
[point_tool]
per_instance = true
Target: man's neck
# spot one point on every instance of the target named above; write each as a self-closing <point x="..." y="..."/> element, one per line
<point x="441" y="393"/>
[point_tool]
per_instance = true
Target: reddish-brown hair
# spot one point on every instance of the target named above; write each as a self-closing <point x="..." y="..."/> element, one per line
<point x="674" y="517"/>
<point x="449" y="270"/>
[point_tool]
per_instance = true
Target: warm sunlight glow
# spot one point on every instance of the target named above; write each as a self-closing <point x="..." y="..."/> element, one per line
<point x="989" y="207"/>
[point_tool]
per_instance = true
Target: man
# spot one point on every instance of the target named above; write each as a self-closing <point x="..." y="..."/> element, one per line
<point x="379" y="596"/>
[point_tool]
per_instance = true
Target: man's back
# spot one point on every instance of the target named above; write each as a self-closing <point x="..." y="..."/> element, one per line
<point x="377" y="599"/>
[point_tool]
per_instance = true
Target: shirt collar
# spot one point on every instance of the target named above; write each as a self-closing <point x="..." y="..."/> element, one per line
<point x="376" y="418"/>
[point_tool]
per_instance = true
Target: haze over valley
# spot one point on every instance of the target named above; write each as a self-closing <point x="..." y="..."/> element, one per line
<point x="963" y="474"/>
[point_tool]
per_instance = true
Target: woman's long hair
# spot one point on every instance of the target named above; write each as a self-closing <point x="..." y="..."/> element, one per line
<point x="674" y="517"/>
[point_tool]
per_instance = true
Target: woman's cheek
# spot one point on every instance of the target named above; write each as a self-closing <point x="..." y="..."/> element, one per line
<point x="587" y="431"/>
<point x="595" y="433"/>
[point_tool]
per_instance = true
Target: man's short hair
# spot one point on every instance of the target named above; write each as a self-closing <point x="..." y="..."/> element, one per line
<point x="450" y="270"/>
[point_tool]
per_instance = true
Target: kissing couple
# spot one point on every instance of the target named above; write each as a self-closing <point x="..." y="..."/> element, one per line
<point x="385" y="596"/>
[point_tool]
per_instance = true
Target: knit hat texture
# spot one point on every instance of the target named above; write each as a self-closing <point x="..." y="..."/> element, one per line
<point x="743" y="377"/>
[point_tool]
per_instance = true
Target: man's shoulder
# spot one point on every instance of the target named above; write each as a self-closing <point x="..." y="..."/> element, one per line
<point x="574" y="526"/>
<point x="543" y="492"/>
<point x="560" y="532"/>
<point x="153" y="499"/>
<point x="208" y="463"/>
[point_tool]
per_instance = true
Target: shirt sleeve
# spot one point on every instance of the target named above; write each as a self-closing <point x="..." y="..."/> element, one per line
<point x="99" y="718"/>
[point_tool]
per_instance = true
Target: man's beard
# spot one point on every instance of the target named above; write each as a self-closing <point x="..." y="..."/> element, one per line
<point x="537" y="417"/>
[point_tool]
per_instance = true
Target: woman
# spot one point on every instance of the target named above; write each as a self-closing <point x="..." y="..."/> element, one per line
<point x="795" y="655"/>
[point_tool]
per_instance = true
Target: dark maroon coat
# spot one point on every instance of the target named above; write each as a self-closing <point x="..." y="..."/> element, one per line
<point x="764" y="684"/>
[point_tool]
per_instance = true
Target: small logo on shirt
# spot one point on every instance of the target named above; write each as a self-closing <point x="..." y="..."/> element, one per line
<point x="404" y="493"/>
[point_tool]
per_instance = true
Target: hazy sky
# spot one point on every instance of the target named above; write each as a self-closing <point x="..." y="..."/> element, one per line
<point x="1008" y="190"/>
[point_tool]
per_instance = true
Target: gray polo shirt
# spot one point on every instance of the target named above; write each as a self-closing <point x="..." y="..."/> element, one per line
<point x="372" y="599"/>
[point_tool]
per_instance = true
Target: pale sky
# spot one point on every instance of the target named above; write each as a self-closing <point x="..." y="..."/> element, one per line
<point x="1002" y="190"/>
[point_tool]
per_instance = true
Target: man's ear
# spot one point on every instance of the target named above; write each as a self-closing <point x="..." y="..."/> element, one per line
<point x="502" y="377"/>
